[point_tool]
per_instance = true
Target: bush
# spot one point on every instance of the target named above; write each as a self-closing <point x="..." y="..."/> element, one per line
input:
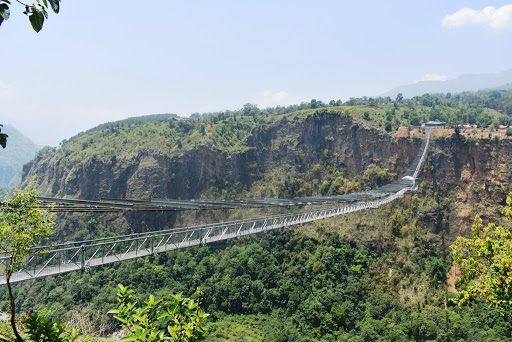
<point x="182" y="317"/>
<point x="39" y="327"/>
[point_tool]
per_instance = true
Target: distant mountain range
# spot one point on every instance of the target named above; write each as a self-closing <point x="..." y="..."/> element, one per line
<point x="460" y="84"/>
<point x="19" y="151"/>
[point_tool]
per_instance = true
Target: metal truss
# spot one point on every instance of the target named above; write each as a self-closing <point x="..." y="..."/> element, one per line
<point x="83" y="255"/>
<point x="86" y="254"/>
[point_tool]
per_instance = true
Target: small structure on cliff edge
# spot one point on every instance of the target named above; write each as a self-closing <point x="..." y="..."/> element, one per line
<point x="434" y="124"/>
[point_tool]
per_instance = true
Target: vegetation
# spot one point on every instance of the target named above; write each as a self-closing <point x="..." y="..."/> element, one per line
<point x="182" y="318"/>
<point x="226" y="129"/>
<point x="485" y="261"/>
<point x="370" y="276"/>
<point x="164" y="141"/>
<point x="315" y="284"/>
<point x="22" y="226"/>
<point x="36" y="12"/>
<point x="3" y="138"/>
<point x="41" y="328"/>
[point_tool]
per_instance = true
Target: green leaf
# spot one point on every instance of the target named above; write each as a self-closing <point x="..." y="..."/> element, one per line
<point x="4" y="11"/>
<point x="36" y="17"/>
<point x="55" y="5"/>
<point x="129" y="338"/>
<point x="44" y="11"/>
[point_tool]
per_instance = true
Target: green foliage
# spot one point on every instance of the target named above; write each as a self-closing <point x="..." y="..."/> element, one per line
<point x="22" y="226"/>
<point x="3" y="136"/>
<point x="36" y="12"/>
<point x="316" y="284"/>
<point x="292" y="286"/>
<point x="181" y="317"/>
<point x="375" y="176"/>
<point x="41" y="328"/>
<point x="234" y="328"/>
<point x="437" y="270"/>
<point x="4" y="11"/>
<point x="485" y="261"/>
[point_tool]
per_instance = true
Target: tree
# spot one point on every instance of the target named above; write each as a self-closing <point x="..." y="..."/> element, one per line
<point x="22" y="225"/>
<point x="36" y="12"/>
<point x="3" y="137"/>
<point x="496" y="125"/>
<point x="399" y="97"/>
<point x="485" y="263"/>
<point x="182" y="317"/>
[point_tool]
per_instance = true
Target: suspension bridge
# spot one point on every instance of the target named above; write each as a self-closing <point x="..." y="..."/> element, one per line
<point x="82" y="255"/>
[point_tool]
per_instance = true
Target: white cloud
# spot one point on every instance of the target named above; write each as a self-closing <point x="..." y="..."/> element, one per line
<point x="496" y="19"/>
<point x="268" y="98"/>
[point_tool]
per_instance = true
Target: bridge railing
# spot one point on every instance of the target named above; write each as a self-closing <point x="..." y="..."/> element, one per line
<point x="85" y="254"/>
<point x="82" y="255"/>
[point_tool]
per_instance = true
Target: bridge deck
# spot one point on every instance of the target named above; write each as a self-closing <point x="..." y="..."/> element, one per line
<point x="85" y="254"/>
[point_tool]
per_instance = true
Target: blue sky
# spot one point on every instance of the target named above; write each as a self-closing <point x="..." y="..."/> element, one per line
<point x="99" y="61"/>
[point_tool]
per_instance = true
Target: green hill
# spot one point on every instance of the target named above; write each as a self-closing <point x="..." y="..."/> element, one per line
<point x="19" y="151"/>
<point x="377" y="275"/>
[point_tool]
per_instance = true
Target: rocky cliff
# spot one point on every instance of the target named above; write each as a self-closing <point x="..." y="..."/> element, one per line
<point x="291" y="144"/>
<point x="147" y="161"/>
<point x="471" y="172"/>
<point x="474" y="171"/>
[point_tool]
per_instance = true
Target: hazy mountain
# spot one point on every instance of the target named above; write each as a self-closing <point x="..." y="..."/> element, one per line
<point x="19" y="150"/>
<point x="460" y="84"/>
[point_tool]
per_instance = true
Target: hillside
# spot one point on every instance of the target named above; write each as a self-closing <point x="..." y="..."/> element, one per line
<point x="296" y="154"/>
<point x="458" y="85"/>
<point x="229" y="153"/>
<point x="375" y="275"/>
<point x="19" y="151"/>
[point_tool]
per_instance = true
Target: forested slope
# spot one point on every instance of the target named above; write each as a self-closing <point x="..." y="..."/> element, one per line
<point x="375" y="275"/>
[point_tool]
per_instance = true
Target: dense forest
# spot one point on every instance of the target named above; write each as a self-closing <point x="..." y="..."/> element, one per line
<point x="378" y="275"/>
<point x="315" y="283"/>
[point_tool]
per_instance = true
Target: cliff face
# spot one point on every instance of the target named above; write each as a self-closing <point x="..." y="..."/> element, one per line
<point x="473" y="174"/>
<point x="322" y="137"/>
<point x="293" y="144"/>
<point x="476" y="173"/>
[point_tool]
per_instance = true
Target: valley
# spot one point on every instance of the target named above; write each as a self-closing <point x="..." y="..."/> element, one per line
<point x="378" y="273"/>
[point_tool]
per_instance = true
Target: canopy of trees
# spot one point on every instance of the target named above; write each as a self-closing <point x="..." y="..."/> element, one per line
<point x="485" y="263"/>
